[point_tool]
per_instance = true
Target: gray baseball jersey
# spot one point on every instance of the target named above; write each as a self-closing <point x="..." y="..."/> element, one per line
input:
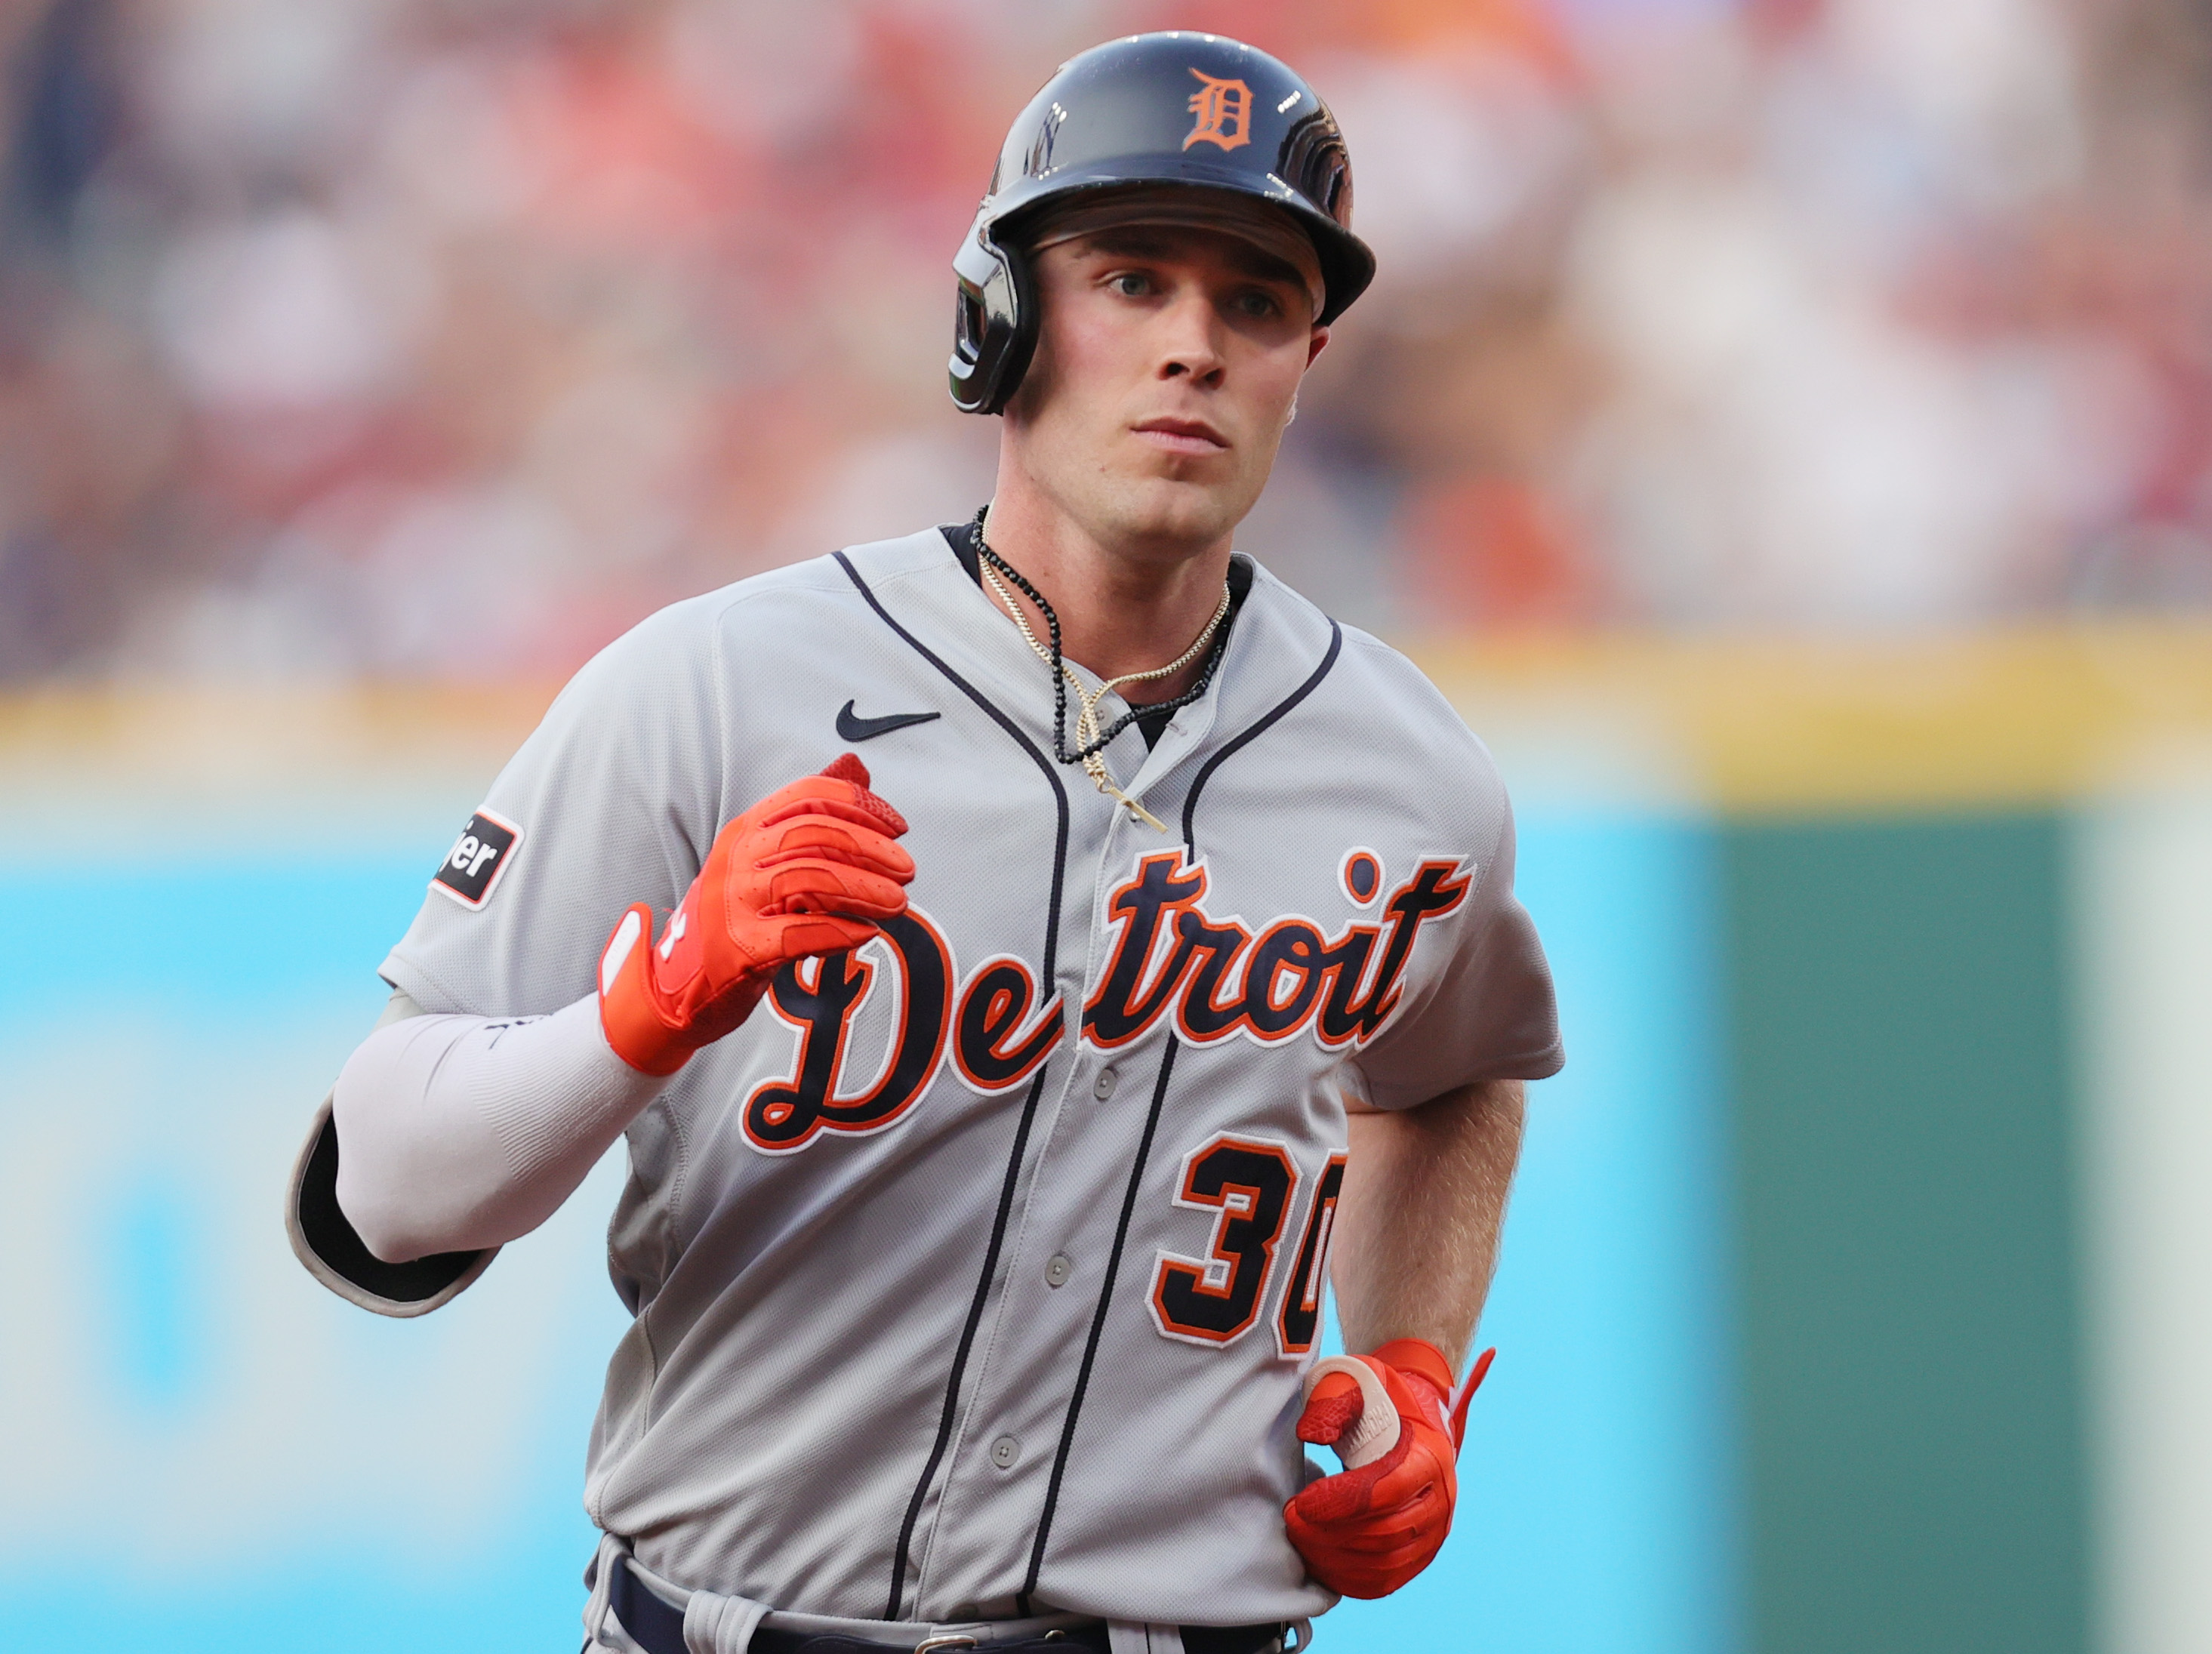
<point x="975" y="1273"/>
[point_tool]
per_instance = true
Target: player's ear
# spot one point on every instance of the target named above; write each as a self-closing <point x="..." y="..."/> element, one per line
<point x="1047" y="276"/>
<point x="1037" y="380"/>
<point x="1314" y="345"/>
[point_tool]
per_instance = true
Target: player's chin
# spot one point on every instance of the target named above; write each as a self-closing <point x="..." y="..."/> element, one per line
<point x="1184" y="501"/>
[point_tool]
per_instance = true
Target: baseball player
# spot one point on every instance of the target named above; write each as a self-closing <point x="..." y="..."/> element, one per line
<point x="1027" y="960"/>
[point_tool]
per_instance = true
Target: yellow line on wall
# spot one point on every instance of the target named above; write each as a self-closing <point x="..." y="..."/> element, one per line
<point x="2024" y="716"/>
<point x="1753" y="724"/>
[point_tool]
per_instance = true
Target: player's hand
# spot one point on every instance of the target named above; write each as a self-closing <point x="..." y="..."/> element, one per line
<point x="807" y="870"/>
<point x="1374" y="1525"/>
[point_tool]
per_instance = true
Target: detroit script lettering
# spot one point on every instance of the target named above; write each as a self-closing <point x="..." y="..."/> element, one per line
<point x="1218" y="978"/>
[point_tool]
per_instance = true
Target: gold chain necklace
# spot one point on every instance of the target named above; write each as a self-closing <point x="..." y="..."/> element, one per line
<point x="1086" y="716"/>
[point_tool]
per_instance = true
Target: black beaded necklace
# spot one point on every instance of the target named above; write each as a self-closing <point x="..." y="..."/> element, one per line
<point x="1056" y="662"/>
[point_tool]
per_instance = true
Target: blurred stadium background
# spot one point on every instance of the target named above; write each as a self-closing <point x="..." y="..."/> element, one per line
<point x="1783" y="426"/>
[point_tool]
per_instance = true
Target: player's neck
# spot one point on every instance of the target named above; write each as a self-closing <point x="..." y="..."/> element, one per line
<point x="1122" y="608"/>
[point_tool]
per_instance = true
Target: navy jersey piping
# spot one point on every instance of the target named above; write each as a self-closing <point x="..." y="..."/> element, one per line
<point x="1206" y="773"/>
<point x="950" y="1414"/>
<point x="1036" y="755"/>
<point x="1097" y="1324"/>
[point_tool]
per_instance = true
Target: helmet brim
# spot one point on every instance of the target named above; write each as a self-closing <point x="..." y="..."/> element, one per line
<point x="1347" y="264"/>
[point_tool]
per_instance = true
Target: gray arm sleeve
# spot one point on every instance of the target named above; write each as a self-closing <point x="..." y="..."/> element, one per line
<point x="462" y="1133"/>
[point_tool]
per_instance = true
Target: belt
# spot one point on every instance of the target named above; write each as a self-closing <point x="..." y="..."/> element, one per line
<point x="657" y="1628"/>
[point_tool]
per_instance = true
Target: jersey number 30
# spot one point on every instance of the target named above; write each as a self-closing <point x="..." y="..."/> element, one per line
<point x="1252" y="1187"/>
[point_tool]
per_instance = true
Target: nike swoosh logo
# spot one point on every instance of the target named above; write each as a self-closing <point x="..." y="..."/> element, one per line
<point x="850" y="728"/>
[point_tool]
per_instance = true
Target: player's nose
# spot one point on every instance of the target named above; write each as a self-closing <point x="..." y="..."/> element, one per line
<point x="1190" y="338"/>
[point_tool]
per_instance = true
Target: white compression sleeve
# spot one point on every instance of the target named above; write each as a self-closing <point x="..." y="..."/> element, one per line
<point x="457" y="1132"/>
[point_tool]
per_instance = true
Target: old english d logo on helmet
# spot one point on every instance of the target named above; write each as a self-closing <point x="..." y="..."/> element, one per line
<point x="1125" y="116"/>
<point x="1224" y="109"/>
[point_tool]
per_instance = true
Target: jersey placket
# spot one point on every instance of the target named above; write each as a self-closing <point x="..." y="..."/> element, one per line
<point x="982" y="1496"/>
<point x="1012" y="1445"/>
<point x="973" y="1546"/>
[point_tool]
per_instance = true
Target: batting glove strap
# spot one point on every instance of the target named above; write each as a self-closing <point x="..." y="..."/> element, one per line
<point x="641" y="1033"/>
<point x="1416" y="1358"/>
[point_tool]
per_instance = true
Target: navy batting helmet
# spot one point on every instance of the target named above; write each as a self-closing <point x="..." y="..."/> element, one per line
<point x="1196" y="111"/>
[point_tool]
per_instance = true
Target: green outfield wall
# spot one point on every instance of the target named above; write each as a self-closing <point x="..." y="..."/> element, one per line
<point x="1899" y="1012"/>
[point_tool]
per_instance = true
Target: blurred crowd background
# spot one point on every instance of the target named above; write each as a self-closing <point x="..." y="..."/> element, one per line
<point x="450" y="337"/>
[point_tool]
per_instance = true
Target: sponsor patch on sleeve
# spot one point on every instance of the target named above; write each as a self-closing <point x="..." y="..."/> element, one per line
<point x="478" y="857"/>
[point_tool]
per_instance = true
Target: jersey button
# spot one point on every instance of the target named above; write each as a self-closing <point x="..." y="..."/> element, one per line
<point x="1057" y="1272"/>
<point x="1102" y="1087"/>
<point x="1004" y="1451"/>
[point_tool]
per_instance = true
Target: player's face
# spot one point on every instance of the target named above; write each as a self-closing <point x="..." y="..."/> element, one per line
<point x="1167" y="362"/>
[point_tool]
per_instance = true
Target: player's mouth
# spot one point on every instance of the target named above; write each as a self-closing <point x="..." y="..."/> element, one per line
<point x="1182" y="435"/>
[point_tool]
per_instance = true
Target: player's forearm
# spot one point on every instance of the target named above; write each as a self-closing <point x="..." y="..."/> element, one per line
<point x="1417" y="1224"/>
<point x="457" y="1132"/>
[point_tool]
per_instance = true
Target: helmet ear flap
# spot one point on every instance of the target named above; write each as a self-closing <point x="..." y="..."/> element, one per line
<point x="993" y="324"/>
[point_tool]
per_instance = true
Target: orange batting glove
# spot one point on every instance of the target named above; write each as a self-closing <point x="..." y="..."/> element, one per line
<point x="807" y="870"/>
<point x="1381" y="1519"/>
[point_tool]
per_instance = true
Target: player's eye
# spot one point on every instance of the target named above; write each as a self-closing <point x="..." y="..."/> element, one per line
<point x="1258" y="304"/>
<point x="1130" y="283"/>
